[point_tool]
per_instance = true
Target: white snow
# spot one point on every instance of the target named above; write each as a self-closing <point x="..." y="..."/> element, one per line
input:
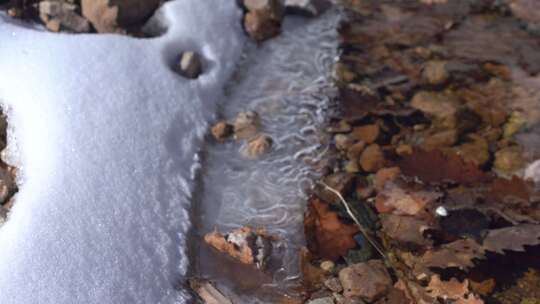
<point x="107" y="139"/>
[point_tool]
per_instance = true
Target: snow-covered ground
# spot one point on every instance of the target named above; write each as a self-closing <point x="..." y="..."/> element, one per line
<point x="107" y="139"/>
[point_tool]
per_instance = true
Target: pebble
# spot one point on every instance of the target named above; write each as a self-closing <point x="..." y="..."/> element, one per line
<point x="189" y="65"/>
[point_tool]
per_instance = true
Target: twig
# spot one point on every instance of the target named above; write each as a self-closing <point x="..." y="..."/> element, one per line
<point x="363" y="229"/>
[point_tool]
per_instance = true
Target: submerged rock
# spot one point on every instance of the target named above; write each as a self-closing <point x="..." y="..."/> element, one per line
<point x="263" y="19"/>
<point x="246" y="125"/>
<point x="112" y="16"/>
<point x="310" y="8"/>
<point x="257" y="146"/>
<point x="247" y="245"/>
<point x="58" y="14"/>
<point x="189" y="65"/>
<point x="222" y="130"/>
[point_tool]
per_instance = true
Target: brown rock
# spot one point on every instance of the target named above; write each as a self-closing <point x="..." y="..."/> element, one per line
<point x="245" y="244"/>
<point x="435" y="72"/>
<point x="509" y="160"/>
<point x="246" y="125"/>
<point x="446" y="138"/>
<point x="343" y="142"/>
<point x="442" y="108"/>
<point x="372" y="158"/>
<point x="7" y="184"/>
<point x="112" y="16"/>
<point x="263" y="20"/>
<point x="355" y="151"/>
<point x="222" y="130"/>
<point x="368" y="281"/>
<point x="476" y="152"/>
<point x="189" y="65"/>
<point x="368" y="133"/>
<point x="59" y="14"/>
<point x="333" y="284"/>
<point x="257" y="146"/>
<point x="384" y="175"/>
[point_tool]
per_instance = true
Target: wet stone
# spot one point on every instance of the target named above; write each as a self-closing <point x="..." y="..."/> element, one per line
<point x="246" y="125"/>
<point x="257" y="146"/>
<point x="222" y="130"/>
<point x="263" y="19"/>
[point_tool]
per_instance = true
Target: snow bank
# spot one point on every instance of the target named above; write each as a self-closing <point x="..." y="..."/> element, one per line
<point x="107" y="139"/>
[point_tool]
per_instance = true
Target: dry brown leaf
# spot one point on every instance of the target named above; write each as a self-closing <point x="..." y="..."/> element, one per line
<point x="327" y="236"/>
<point x="436" y="167"/>
<point x="401" y="201"/>
<point x="405" y="229"/>
<point x="458" y="254"/>
<point x="512" y="238"/>
<point x="452" y="289"/>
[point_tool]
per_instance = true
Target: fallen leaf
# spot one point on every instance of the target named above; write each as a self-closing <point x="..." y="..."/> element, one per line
<point x="405" y="229"/>
<point x="327" y="236"/>
<point x="452" y="289"/>
<point x="400" y="200"/>
<point x="437" y="167"/>
<point x="460" y="254"/>
<point x="512" y="238"/>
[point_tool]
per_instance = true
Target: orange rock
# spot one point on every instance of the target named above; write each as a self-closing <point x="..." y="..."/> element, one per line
<point x="368" y="133"/>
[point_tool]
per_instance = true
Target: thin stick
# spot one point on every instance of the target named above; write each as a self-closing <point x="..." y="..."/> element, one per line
<point x="364" y="231"/>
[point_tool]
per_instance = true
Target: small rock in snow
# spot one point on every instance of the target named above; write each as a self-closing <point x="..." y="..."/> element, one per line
<point x="189" y="65"/>
<point x="257" y="146"/>
<point x="57" y="15"/>
<point x="113" y="16"/>
<point x="222" y="130"/>
<point x="310" y="8"/>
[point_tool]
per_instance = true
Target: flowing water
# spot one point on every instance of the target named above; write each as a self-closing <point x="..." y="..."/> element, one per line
<point x="287" y="80"/>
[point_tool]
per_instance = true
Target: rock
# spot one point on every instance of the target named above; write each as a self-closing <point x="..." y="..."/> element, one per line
<point x="328" y="266"/>
<point x="222" y="130"/>
<point x="343" y="142"/>
<point x="352" y="167"/>
<point x="476" y="152"/>
<point x="368" y="133"/>
<point x="515" y="123"/>
<point x="310" y="8"/>
<point x="446" y="138"/>
<point x="509" y="160"/>
<point x="246" y="125"/>
<point x="58" y="14"/>
<point x="384" y="175"/>
<point x="113" y="16"/>
<point x="189" y="65"/>
<point x="372" y="159"/>
<point x="257" y="146"/>
<point x="368" y="281"/>
<point x="247" y="245"/>
<point x="7" y="184"/>
<point x="435" y="72"/>
<point x="341" y="127"/>
<point x="527" y="10"/>
<point x="263" y="19"/>
<point x="355" y="151"/>
<point x="442" y="108"/>
<point x="333" y="284"/>
<point x="325" y="300"/>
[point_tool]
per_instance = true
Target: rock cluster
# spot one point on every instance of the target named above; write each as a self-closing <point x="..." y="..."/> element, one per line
<point x="59" y="15"/>
<point x="244" y="128"/>
<point x="116" y="16"/>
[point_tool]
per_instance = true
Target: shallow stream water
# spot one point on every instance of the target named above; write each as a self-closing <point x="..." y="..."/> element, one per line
<point x="287" y="81"/>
